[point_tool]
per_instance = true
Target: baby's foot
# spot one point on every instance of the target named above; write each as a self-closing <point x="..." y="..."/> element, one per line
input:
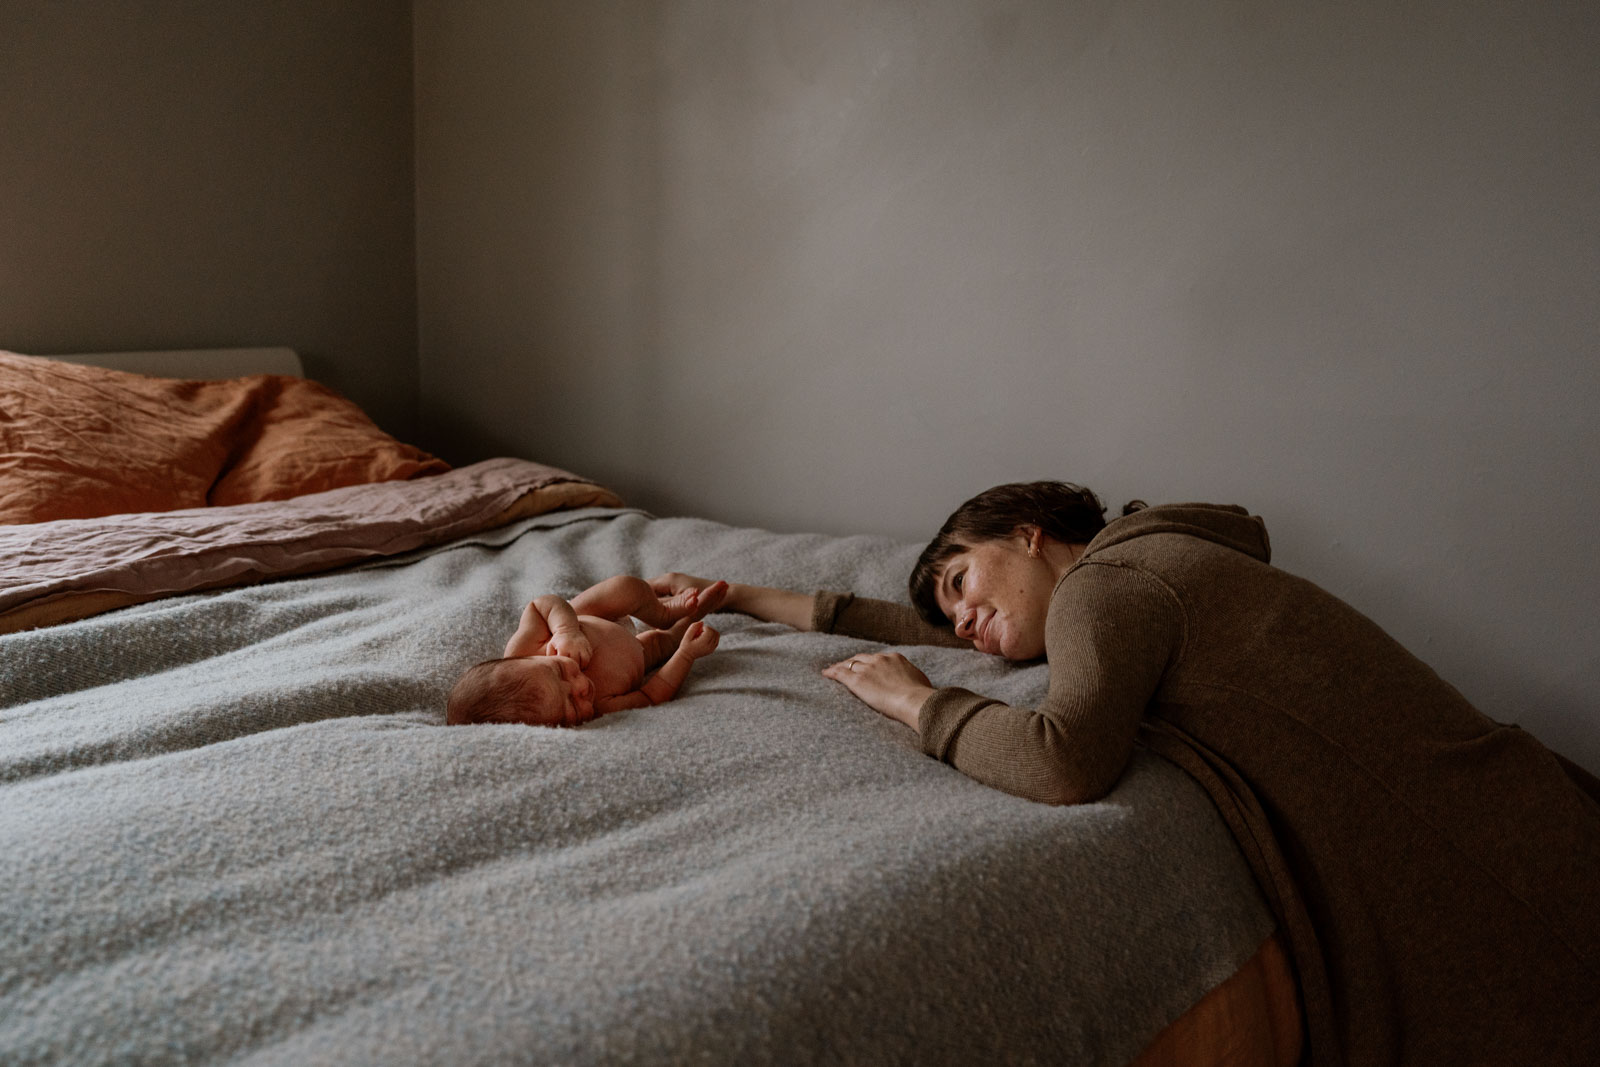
<point x="695" y="603"/>
<point x="680" y="605"/>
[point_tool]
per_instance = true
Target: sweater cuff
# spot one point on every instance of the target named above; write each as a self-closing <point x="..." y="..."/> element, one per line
<point x="942" y="716"/>
<point x="825" y="610"/>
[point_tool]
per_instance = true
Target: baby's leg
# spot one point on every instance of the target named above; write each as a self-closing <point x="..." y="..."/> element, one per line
<point x="658" y="688"/>
<point x="614" y="598"/>
<point x="659" y="645"/>
<point x="625" y="595"/>
<point x="698" y="640"/>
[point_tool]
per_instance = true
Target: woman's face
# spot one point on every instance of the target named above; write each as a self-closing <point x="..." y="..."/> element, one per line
<point x="997" y="595"/>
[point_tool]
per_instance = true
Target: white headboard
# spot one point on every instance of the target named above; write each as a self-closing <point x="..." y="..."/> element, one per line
<point x="197" y="362"/>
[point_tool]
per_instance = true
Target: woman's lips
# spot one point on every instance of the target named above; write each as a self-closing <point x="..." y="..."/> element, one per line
<point x="983" y="633"/>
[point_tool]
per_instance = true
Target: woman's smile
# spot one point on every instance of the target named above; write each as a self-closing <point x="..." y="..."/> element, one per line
<point x="985" y="627"/>
<point x="996" y="594"/>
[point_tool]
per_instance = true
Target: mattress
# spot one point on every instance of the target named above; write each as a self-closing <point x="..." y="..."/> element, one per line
<point x="237" y="828"/>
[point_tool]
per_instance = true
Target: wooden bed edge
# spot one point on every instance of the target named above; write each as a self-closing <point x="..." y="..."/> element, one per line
<point x="1250" y="1020"/>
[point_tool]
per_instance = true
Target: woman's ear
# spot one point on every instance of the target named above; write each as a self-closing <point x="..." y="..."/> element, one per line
<point x="1033" y="540"/>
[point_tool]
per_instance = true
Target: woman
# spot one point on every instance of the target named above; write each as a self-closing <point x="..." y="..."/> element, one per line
<point x="1436" y="874"/>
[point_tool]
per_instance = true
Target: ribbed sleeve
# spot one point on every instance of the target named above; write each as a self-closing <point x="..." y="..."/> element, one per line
<point x="877" y="620"/>
<point x="1109" y="637"/>
<point x="943" y="715"/>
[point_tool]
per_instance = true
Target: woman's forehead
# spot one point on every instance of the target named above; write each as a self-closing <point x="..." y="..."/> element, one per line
<point x="963" y="556"/>
<point x="941" y="570"/>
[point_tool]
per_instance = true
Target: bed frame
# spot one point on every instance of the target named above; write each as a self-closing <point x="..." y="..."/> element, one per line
<point x="1250" y="1018"/>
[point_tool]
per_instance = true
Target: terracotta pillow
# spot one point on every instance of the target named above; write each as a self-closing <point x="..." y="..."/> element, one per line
<point x="303" y="437"/>
<point x="77" y="442"/>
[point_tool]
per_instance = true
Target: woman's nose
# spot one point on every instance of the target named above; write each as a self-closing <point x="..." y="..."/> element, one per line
<point x="964" y="624"/>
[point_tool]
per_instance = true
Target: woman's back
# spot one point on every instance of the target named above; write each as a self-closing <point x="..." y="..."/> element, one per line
<point x="1445" y="862"/>
<point x="1434" y="871"/>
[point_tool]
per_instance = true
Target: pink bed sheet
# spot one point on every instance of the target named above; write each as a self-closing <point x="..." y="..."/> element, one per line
<point x="53" y="572"/>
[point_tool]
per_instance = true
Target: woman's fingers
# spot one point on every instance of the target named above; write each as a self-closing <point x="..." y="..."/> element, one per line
<point x="688" y="601"/>
<point x="674" y="582"/>
<point x="885" y="681"/>
<point x="879" y="665"/>
<point x="710" y="598"/>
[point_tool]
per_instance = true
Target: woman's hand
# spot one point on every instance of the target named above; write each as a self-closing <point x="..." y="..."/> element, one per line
<point x="771" y="605"/>
<point x="692" y="603"/>
<point x="887" y="682"/>
<point x="674" y="583"/>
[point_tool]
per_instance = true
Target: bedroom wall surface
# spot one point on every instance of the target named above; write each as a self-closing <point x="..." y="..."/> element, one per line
<point x="179" y="174"/>
<point x="839" y="266"/>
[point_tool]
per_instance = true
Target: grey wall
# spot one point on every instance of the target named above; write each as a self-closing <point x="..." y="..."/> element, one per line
<point x="838" y="266"/>
<point x="190" y="174"/>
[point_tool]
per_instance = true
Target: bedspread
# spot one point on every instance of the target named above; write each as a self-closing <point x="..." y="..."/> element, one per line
<point x="74" y="568"/>
<point x="234" y="827"/>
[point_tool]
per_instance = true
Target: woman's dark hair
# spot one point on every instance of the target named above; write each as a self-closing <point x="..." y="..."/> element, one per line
<point x="1066" y="512"/>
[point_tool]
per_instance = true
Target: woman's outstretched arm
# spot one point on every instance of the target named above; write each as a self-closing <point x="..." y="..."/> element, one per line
<point x="879" y="620"/>
<point x="836" y="613"/>
<point x="763" y="602"/>
<point x="1111" y="635"/>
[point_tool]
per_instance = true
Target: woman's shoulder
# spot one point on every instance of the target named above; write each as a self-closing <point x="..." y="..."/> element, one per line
<point x="1173" y="558"/>
<point x="1154" y="530"/>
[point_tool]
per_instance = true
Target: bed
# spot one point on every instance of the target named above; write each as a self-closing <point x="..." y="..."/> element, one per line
<point x="234" y="826"/>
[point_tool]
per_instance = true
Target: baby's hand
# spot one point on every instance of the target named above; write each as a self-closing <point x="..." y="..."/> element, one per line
<point x="573" y="645"/>
<point x="699" y="640"/>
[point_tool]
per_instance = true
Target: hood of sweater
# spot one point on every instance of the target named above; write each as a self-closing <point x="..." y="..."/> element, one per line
<point x="1224" y="524"/>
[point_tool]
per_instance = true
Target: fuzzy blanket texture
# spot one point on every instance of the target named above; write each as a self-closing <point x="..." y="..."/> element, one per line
<point x="234" y="827"/>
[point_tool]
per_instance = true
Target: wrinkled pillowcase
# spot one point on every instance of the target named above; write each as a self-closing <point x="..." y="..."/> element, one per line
<point x="78" y="442"/>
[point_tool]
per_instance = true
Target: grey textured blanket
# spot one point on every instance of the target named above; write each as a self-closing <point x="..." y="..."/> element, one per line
<point x="232" y="827"/>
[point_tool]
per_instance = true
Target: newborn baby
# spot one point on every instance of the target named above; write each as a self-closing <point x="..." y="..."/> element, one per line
<point x="570" y="662"/>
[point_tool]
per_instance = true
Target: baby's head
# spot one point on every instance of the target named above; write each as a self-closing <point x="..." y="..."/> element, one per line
<point x="536" y="690"/>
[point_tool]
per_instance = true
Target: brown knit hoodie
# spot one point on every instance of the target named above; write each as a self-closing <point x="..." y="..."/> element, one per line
<point x="1436" y="874"/>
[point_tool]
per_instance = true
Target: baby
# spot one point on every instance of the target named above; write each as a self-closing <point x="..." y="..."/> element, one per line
<point x="571" y="662"/>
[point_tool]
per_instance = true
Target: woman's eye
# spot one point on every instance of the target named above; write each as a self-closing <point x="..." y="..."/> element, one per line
<point x="956" y="582"/>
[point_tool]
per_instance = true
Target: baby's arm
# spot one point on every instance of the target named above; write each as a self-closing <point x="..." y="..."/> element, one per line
<point x="624" y="595"/>
<point x="550" y="620"/>
<point x="698" y="640"/>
